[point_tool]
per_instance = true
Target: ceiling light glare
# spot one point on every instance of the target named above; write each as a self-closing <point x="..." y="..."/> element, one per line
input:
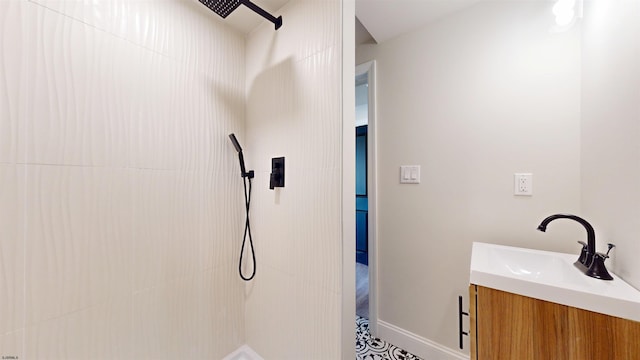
<point x="565" y="18"/>
<point x="564" y="11"/>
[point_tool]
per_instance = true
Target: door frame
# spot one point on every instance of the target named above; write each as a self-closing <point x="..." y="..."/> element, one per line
<point x="369" y="68"/>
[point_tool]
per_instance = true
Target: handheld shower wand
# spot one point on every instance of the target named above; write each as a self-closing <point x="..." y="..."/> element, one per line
<point x="243" y="170"/>
<point x="247" y="202"/>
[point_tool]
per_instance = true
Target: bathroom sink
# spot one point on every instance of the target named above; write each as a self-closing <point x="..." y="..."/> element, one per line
<point x="551" y="276"/>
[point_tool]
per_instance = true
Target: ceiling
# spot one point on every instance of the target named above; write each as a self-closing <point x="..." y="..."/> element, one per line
<point x="385" y="19"/>
<point x="376" y="20"/>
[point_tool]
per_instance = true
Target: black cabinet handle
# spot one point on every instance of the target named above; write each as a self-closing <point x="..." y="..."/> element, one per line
<point x="460" y="315"/>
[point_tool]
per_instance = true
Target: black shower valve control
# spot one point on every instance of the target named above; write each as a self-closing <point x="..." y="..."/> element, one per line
<point x="277" y="173"/>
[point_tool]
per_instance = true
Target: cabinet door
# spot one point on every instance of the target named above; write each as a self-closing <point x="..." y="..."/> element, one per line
<point x="473" y="332"/>
<point x="510" y="326"/>
<point x="504" y="325"/>
<point x="597" y="336"/>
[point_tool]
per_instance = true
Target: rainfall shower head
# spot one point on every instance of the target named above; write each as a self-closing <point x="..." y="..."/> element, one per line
<point x="226" y="7"/>
<point x="222" y="7"/>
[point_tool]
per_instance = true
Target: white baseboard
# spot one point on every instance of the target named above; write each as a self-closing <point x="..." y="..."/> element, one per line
<point x="417" y="345"/>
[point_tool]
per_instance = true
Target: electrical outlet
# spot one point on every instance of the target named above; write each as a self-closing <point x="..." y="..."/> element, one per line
<point x="523" y="184"/>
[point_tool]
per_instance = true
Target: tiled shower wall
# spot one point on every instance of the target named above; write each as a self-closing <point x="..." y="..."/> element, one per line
<point x="120" y="196"/>
<point x="294" y="110"/>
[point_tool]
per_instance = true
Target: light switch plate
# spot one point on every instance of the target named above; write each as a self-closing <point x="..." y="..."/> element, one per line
<point x="410" y="174"/>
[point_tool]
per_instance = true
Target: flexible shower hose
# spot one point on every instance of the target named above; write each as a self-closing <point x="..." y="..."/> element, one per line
<point x="247" y="230"/>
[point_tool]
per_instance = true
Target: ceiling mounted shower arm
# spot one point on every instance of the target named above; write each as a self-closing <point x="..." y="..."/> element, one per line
<point x="277" y="21"/>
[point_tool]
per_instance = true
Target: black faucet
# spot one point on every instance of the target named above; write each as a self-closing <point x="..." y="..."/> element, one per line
<point x="590" y="262"/>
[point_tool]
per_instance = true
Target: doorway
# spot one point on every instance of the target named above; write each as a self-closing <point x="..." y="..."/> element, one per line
<point x="365" y="261"/>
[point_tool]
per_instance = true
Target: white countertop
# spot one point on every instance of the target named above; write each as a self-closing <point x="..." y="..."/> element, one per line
<point x="551" y="276"/>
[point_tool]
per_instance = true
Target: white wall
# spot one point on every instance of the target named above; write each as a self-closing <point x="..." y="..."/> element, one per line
<point x="362" y="105"/>
<point x="611" y="128"/>
<point x="294" y="109"/>
<point x="120" y="197"/>
<point x="472" y="98"/>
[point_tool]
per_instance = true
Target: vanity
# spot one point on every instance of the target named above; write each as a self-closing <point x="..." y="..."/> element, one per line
<point x="532" y="304"/>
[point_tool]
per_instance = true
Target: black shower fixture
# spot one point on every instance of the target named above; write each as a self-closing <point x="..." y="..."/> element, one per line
<point x="243" y="170"/>
<point x="277" y="173"/>
<point x="247" y="204"/>
<point x="226" y="7"/>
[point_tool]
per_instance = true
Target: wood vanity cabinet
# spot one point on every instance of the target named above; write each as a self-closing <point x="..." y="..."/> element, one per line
<point x="509" y="326"/>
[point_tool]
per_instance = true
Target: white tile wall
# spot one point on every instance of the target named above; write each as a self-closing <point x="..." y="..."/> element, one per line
<point x="12" y="207"/>
<point x="294" y="110"/>
<point x="119" y="195"/>
<point x="12" y="95"/>
<point x="12" y="343"/>
<point x="99" y="332"/>
<point x="78" y="239"/>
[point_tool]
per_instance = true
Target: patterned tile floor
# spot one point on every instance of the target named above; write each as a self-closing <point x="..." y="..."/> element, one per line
<point x="371" y="348"/>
